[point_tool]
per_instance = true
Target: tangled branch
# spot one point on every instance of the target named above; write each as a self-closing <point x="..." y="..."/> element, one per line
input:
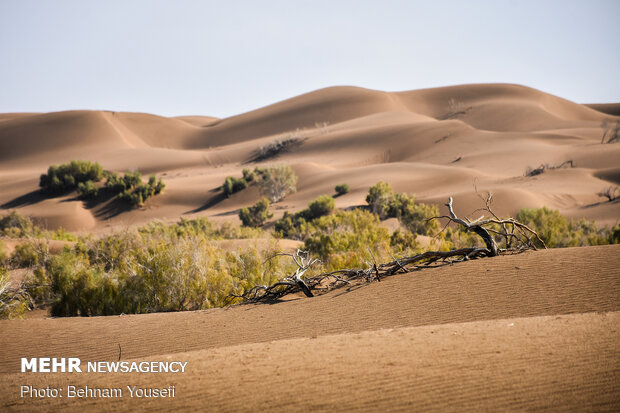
<point x="517" y="236"/>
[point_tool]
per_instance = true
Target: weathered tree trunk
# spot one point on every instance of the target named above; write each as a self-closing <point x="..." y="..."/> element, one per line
<point x="488" y="239"/>
<point x="484" y="234"/>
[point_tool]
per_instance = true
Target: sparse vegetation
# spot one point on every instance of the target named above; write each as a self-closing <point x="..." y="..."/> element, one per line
<point x="342" y="189"/>
<point x="611" y="193"/>
<point x="277" y="147"/>
<point x="545" y="167"/>
<point x="174" y="267"/>
<point x="66" y="177"/>
<point x="611" y="131"/>
<point x="14" y="301"/>
<point x="256" y="215"/>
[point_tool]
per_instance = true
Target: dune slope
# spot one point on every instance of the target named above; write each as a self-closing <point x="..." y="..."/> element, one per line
<point x="433" y="142"/>
<point x="537" y="330"/>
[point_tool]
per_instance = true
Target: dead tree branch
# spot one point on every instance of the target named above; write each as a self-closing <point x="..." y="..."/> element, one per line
<point x="518" y="237"/>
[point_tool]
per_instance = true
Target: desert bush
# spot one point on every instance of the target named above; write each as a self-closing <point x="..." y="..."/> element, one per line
<point x="87" y="190"/>
<point x="611" y="193"/>
<point x="611" y="131"/>
<point x="115" y="183"/>
<point x="15" y="225"/>
<point x="249" y="175"/>
<point x="232" y="185"/>
<point x="29" y="254"/>
<point x="13" y="300"/>
<point x="346" y="232"/>
<point x="256" y="215"/>
<point x="277" y="182"/>
<point x="557" y="231"/>
<point x="614" y="235"/>
<point x="135" y="272"/>
<point x="4" y="254"/>
<point x="342" y="189"/>
<point x="295" y="226"/>
<point x="292" y="226"/>
<point x="276" y="147"/>
<point x="380" y="198"/>
<point x="138" y="192"/>
<point x="415" y="216"/>
<point x="404" y="241"/>
<point x="62" y="235"/>
<point x="66" y="177"/>
<point x="132" y="179"/>
<point x="321" y="206"/>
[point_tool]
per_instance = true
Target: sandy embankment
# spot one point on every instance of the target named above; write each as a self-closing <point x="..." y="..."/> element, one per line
<point x="530" y="331"/>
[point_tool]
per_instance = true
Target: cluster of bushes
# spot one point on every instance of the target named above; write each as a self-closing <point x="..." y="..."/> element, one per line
<point x="66" y="177"/>
<point x="84" y="175"/>
<point x="174" y="267"/>
<point x="256" y="215"/>
<point x="128" y="188"/>
<point x="342" y="189"/>
<point x="137" y="194"/>
<point x="151" y="270"/>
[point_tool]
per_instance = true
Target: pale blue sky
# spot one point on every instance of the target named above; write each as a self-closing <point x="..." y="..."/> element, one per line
<point x="219" y="58"/>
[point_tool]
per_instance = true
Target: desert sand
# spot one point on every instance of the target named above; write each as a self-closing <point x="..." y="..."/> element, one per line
<point x="433" y="143"/>
<point x="531" y="331"/>
<point x="538" y="330"/>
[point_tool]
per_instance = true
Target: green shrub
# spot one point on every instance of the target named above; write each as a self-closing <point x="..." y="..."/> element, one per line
<point x="380" y="198"/>
<point x="87" y="190"/>
<point x="138" y="192"/>
<point x="249" y="175"/>
<point x="115" y="184"/>
<point x="346" y="231"/>
<point x="232" y="185"/>
<point x="4" y="255"/>
<point x="404" y="241"/>
<point x="15" y="225"/>
<point x="277" y="182"/>
<point x="256" y="215"/>
<point x="28" y="254"/>
<point x="614" y="235"/>
<point x="295" y="226"/>
<point x="342" y="189"/>
<point x="62" y="235"/>
<point x="132" y="179"/>
<point x="556" y="231"/>
<point x="321" y="206"/>
<point x="66" y="177"/>
<point x="415" y="217"/>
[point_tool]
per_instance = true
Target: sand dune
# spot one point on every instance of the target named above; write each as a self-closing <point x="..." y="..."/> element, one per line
<point x="537" y="330"/>
<point x="432" y="142"/>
